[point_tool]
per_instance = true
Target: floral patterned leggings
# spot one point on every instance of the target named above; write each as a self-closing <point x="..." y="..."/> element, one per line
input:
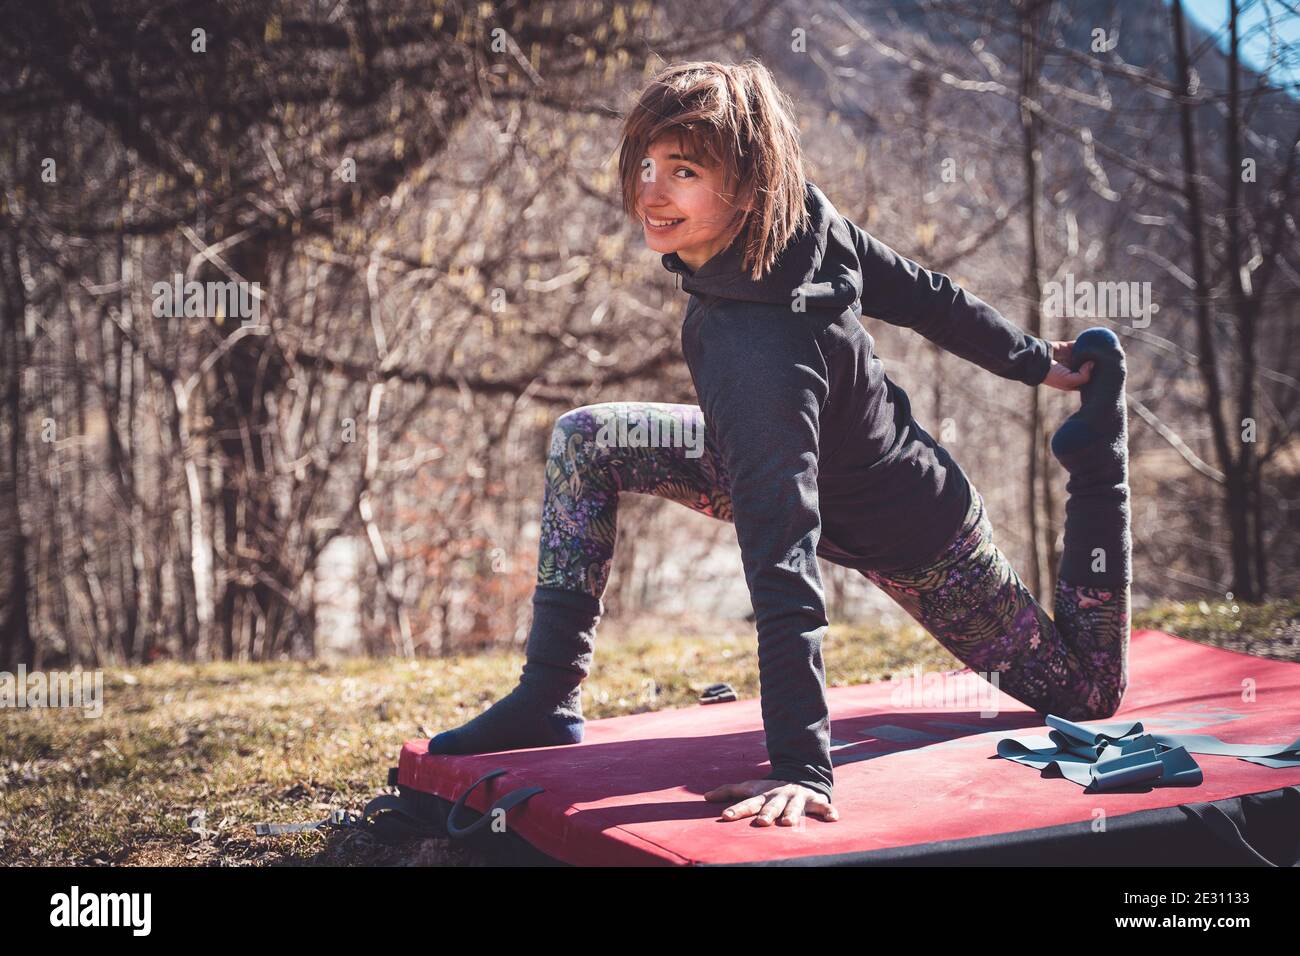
<point x="1074" y="665"/>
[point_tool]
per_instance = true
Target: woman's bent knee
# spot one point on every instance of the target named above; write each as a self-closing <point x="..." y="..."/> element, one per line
<point x="1103" y="701"/>
<point x="584" y="420"/>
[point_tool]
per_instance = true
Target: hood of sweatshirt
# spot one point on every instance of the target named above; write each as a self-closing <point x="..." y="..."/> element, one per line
<point x="820" y="261"/>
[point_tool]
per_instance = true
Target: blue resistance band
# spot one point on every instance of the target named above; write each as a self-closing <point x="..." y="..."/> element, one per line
<point x="1121" y="754"/>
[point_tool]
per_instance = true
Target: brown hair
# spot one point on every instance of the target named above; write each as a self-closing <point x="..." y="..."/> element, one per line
<point x="734" y="117"/>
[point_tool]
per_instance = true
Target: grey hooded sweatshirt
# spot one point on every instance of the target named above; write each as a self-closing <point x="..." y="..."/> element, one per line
<point x="820" y="446"/>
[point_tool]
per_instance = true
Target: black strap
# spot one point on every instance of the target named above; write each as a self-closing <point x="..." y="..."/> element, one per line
<point x="1225" y="828"/>
<point x="392" y="817"/>
<point x="397" y="807"/>
<point x="386" y="801"/>
<point x="504" y="805"/>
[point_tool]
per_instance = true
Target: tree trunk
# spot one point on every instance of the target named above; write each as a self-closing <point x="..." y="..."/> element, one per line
<point x="256" y="609"/>
<point x="16" y="645"/>
<point x="1207" y="359"/>
<point x="1030" y="14"/>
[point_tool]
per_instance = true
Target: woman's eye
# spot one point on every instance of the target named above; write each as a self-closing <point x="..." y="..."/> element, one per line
<point x="683" y="169"/>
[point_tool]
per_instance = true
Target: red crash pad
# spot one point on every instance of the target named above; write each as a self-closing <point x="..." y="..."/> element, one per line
<point x="631" y="792"/>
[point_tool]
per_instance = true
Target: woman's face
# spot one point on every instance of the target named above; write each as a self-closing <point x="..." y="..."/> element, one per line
<point x="693" y="200"/>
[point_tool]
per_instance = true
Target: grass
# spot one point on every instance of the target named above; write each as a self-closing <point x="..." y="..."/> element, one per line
<point x="1271" y="629"/>
<point x="185" y="759"/>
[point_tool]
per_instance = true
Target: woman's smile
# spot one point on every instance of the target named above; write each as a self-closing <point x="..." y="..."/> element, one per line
<point x="662" y="225"/>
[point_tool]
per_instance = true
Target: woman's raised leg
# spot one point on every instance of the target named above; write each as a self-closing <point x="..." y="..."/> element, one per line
<point x="974" y="603"/>
<point x="596" y="453"/>
<point x="1074" y="665"/>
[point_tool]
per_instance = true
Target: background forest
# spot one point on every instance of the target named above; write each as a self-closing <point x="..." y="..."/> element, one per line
<point x="425" y="194"/>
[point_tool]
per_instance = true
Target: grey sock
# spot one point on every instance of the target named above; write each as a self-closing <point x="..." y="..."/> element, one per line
<point x="545" y="708"/>
<point x="1092" y="444"/>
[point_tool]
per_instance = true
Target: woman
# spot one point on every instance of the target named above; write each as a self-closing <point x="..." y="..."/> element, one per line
<point x="810" y="449"/>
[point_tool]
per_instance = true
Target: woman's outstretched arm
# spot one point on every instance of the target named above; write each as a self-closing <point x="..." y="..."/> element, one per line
<point x="762" y="381"/>
<point x="901" y="292"/>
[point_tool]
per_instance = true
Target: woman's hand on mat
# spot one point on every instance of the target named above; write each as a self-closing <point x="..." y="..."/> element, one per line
<point x="772" y="801"/>
<point x="1059" y="375"/>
